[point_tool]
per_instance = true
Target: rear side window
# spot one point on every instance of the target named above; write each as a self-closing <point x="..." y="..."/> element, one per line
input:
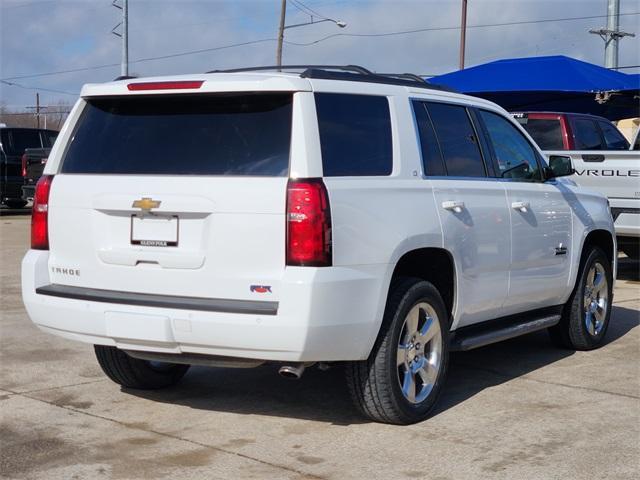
<point x="547" y="133"/>
<point x="355" y="134"/>
<point x="586" y="134"/>
<point x="457" y="139"/>
<point x="612" y="137"/>
<point x="216" y="134"/>
<point x="431" y="155"/>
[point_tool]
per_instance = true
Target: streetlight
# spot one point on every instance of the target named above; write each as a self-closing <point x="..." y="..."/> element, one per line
<point x="283" y="27"/>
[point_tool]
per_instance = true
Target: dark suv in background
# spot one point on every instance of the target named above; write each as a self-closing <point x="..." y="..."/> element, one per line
<point x="13" y="142"/>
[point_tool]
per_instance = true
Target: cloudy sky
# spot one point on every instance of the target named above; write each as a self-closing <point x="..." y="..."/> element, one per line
<point x="43" y="36"/>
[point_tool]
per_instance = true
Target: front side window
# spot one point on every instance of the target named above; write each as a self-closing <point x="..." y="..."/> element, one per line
<point x="217" y="134"/>
<point x="355" y="134"/>
<point x="516" y="157"/>
<point x="457" y="139"/>
<point x="547" y="133"/>
<point x="586" y="135"/>
<point x="612" y="137"/>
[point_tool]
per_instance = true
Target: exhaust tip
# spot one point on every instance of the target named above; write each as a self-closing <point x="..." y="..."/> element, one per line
<point x="292" y="372"/>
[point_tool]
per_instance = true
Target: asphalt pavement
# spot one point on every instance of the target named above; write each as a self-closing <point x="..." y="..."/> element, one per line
<point x="517" y="410"/>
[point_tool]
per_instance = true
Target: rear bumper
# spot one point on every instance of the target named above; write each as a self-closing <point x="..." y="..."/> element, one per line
<point x="28" y="192"/>
<point x="323" y="314"/>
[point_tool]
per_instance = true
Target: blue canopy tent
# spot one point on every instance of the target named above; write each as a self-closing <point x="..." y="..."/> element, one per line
<point x="555" y="83"/>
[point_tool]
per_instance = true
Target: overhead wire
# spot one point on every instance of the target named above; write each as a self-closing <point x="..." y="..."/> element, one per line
<point x="304" y="44"/>
<point x="436" y="29"/>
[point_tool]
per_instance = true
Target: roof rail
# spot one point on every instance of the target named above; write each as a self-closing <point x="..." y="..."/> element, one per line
<point x="345" y="68"/>
<point x="406" y="76"/>
<point x="354" y="73"/>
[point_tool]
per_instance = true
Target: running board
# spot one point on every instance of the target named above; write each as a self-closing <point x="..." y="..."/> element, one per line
<point x="487" y="333"/>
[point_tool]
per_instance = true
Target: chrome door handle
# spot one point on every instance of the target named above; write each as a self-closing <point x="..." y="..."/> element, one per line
<point x="454" y="206"/>
<point x="522" y="206"/>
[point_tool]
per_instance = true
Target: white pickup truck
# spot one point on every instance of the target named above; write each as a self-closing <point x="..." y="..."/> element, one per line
<point x="603" y="162"/>
<point x="615" y="174"/>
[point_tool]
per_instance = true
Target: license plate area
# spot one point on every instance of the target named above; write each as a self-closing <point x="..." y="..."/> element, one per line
<point x="155" y="230"/>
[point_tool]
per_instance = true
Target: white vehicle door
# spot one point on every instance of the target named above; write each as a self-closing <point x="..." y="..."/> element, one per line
<point x="472" y="207"/>
<point x="540" y="219"/>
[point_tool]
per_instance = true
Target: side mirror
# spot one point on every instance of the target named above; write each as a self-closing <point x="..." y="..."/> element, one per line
<point x="559" y="166"/>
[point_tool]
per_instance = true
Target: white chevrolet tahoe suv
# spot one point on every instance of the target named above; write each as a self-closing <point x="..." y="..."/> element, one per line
<point x="330" y="215"/>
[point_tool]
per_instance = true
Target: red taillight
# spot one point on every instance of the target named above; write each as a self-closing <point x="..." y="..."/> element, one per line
<point x="24" y="165"/>
<point x="178" y="85"/>
<point x="308" y="223"/>
<point x="40" y="214"/>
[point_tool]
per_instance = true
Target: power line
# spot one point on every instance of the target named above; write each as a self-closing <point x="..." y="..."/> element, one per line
<point x="13" y="84"/>
<point x="140" y="60"/>
<point x="62" y="112"/>
<point x="254" y="42"/>
<point x="307" y="10"/>
<point x="437" y="29"/>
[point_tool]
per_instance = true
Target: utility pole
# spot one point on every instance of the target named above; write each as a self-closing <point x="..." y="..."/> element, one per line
<point x="124" y="36"/>
<point x="611" y="35"/>
<point x="283" y="11"/>
<point x="463" y="33"/>
<point x="37" y="110"/>
<point x="124" y="67"/>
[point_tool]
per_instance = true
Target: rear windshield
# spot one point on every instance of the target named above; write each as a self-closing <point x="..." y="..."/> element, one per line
<point x="248" y="134"/>
<point x="547" y="133"/>
<point x="20" y="138"/>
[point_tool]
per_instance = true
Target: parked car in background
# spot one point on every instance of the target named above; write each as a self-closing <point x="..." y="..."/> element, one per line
<point x="571" y="131"/>
<point x="237" y="218"/>
<point x="13" y="142"/>
<point x="33" y="161"/>
<point x="602" y="159"/>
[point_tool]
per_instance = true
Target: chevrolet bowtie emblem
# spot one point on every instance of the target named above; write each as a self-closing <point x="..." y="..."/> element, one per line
<point x="146" y="204"/>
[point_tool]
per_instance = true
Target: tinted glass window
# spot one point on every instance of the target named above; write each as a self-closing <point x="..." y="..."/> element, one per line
<point x="457" y="140"/>
<point x="190" y="135"/>
<point x="586" y="135"/>
<point x="612" y="137"/>
<point x="431" y="156"/>
<point x="547" y="133"/>
<point x="636" y="143"/>
<point x="355" y="134"/>
<point x="515" y="155"/>
<point x="20" y="138"/>
<point x="49" y="137"/>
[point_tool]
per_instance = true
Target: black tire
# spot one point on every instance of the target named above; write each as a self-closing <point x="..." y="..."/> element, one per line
<point x="135" y="373"/>
<point x="16" y="203"/>
<point x="374" y="383"/>
<point x="572" y="331"/>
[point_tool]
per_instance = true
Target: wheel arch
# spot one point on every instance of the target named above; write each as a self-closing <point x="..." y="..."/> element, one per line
<point x="603" y="239"/>
<point x="433" y="264"/>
